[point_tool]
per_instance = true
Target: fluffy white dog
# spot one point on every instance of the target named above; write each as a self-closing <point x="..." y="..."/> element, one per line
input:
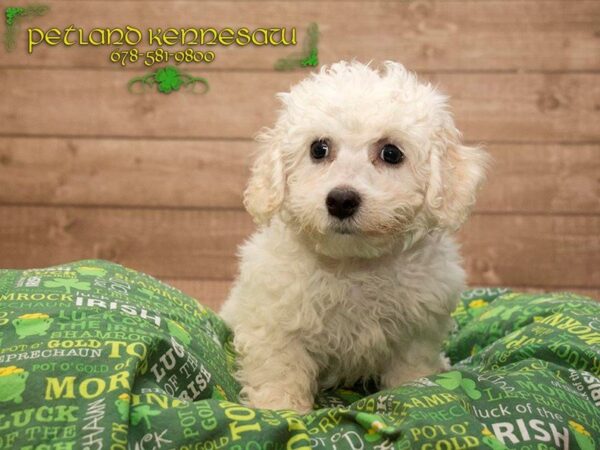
<point x="352" y="273"/>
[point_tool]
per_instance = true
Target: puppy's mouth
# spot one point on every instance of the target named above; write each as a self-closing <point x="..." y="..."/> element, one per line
<point x="343" y="231"/>
<point x="349" y="227"/>
<point x="344" y="227"/>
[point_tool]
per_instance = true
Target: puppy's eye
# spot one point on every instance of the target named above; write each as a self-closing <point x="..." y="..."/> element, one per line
<point x="391" y="154"/>
<point x="319" y="149"/>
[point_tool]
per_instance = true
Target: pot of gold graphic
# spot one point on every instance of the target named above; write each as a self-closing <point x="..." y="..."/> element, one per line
<point x="12" y="383"/>
<point x="35" y="324"/>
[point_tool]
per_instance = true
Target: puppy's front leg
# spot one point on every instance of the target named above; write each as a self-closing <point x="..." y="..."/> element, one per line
<point x="420" y="359"/>
<point x="276" y="372"/>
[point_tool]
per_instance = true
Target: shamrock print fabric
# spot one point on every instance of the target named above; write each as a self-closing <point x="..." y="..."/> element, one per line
<point x="95" y="355"/>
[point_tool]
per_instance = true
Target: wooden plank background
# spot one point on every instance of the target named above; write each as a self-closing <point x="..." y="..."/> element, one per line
<point x="88" y="170"/>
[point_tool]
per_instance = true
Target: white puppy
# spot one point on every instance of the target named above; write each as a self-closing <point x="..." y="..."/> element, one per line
<point x="352" y="273"/>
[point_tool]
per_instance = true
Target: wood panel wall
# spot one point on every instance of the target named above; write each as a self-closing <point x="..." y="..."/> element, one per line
<point x="88" y="170"/>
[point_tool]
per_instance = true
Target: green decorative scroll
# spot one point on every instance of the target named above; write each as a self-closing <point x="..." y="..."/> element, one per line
<point x="13" y="16"/>
<point x="167" y="79"/>
<point x="309" y="57"/>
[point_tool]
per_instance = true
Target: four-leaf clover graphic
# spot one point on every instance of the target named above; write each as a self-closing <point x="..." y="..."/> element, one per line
<point x="168" y="79"/>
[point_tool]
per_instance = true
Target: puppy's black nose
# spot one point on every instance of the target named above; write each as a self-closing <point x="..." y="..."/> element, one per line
<point x="342" y="202"/>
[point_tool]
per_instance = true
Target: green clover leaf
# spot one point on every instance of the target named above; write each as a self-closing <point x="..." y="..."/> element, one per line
<point x="454" y="379"/>
<point x="168" y="79"/>
<point x="68" y="284"/>
<point x="143" y="412"/>
<point x="470" y="389"/>
<point x="449" y="380"/>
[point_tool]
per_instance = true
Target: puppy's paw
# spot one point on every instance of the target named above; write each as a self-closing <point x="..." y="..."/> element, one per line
<point x="445" y="363"/>
<point x="274" y="397"/>
<point x="400" y="374"/>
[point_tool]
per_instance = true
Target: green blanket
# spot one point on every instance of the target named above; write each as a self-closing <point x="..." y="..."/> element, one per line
<point x="95" y="355"/>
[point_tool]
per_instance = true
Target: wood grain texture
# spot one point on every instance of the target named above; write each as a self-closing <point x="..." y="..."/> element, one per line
<point x="550" y="251"/>
<point x="212" y="173"/>
<point x="165" y="243"/>
<point x="123" y="172"/>
<point x="424" y="35"/>
<point x="155" y="181"/>
<point x="489" y="107"/>
<point x="545" y="179"/>
<point x="212" y="293"/>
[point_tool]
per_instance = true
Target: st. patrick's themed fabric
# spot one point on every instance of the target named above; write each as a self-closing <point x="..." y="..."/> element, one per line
<point x="97" y="356"/>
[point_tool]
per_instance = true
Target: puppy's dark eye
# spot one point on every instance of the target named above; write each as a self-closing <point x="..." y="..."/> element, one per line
<point x="319" y="149"/>
<point x="391" y="154"/>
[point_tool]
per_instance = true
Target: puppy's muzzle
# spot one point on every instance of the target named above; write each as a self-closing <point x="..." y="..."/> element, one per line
<point x="342" y="202"/>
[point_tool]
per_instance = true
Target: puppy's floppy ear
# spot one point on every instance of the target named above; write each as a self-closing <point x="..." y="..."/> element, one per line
<point x="457" y="172"/>
<point x="265" y="191"/>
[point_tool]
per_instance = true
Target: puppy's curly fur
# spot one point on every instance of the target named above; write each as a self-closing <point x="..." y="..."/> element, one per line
<point x="322" y="301"/>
